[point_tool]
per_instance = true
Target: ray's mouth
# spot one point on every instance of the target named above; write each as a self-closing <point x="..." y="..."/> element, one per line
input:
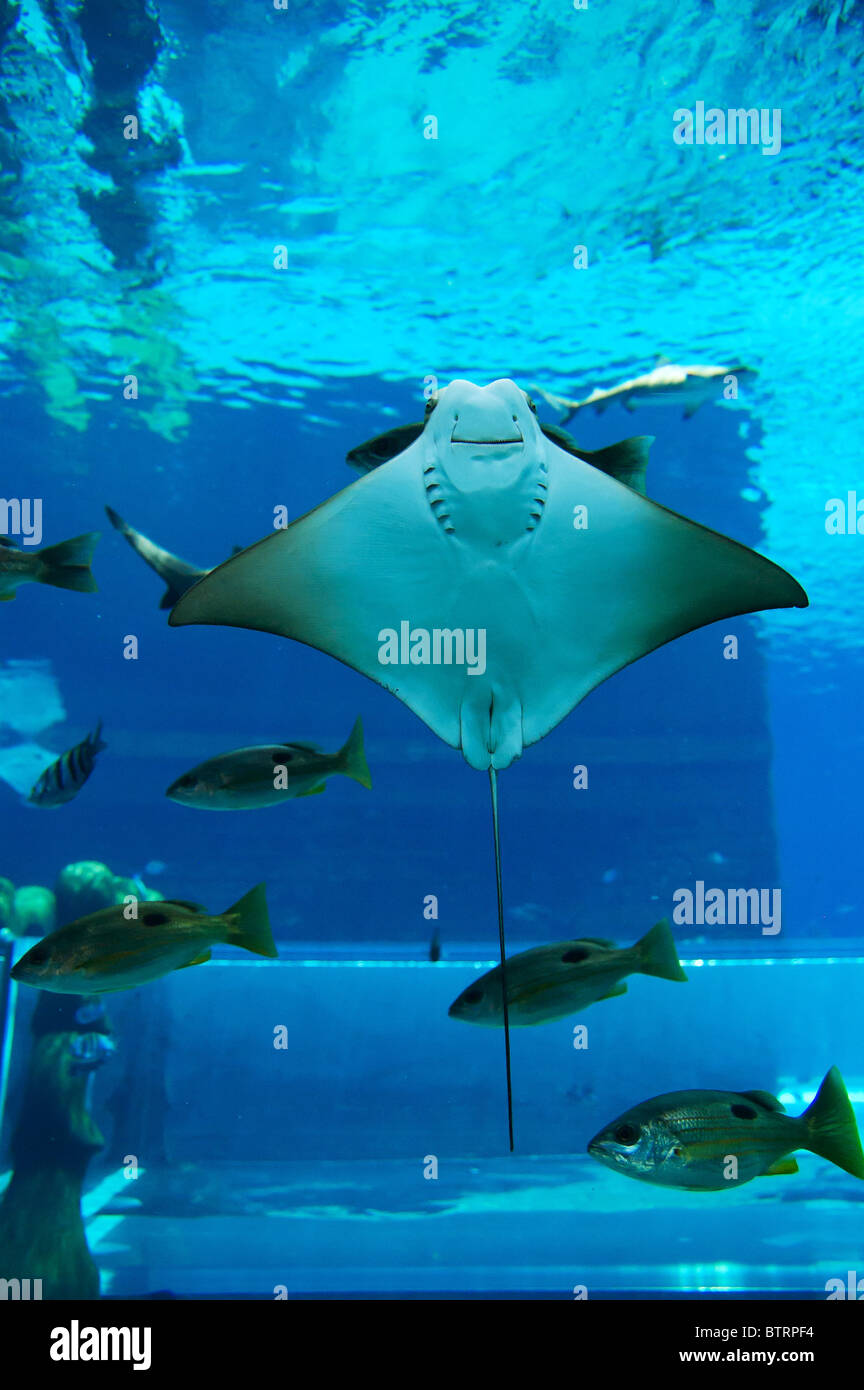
<point x="490" y="443"/>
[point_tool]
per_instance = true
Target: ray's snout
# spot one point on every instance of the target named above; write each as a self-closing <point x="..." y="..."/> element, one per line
<point x="483" y="415"/>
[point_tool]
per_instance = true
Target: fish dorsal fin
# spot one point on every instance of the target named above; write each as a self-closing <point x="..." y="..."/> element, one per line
<point x="763" y="1098"/>
<point x="600" y="941"/>
<point x="181" y="902"/>
<point x="303" y="747"/>
<point x="626" y="461"/>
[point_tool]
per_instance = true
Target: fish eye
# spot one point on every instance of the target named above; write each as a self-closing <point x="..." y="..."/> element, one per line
<point x="280" y="758"/>
<point x="627" y="1135"/>
<point x="154" y="919"/>
<point x="472" y="996"/>
<point x="39" y="954"/>
<point x="744" y="1112"/>
<point x="573" y="957"/>
<point x="187" y="781"/>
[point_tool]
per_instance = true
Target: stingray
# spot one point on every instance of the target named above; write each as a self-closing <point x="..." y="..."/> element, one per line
<point x="490" y="580"/>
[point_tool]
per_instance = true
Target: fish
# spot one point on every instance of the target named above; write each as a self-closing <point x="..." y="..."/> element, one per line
<point x="268" y="774"/>
<point x="687" y="1138"/>
<point x="178" y="574"/>
<point x="552" y="982"/>
<point x="63" y="566"/>
<point x="668" y="384"/>
<point x="626" y="461"/>
<point x="484" y="528"/>
<point x="63" y="780"/>
<point x="106" y="951"/>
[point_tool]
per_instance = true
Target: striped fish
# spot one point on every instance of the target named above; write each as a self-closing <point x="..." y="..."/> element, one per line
<point x="710" y="1140"/>
<point x="63" y="780"/>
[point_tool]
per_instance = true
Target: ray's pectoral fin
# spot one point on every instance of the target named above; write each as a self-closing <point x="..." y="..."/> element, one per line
<point x="356" y="567"/>
<point x="635" y="577"/>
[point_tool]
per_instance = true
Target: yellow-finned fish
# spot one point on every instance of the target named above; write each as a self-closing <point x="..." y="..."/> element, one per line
<point x="710" y="1140"/>
<point x="63" y="566"/>
<point x="64" y="778"/>
<point x="106" y="951"/>
<point x="550" y="982"/>
<point x="264" y="775"/>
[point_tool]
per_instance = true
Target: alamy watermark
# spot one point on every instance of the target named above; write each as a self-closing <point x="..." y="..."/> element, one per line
<point x="440" y="646"/>
<point x="732" y="127"/>
<point x="21" y="516"/>
<point x="845" y="516"/>
<point x="21" y="1289"/>
<point x="719" y="907"/>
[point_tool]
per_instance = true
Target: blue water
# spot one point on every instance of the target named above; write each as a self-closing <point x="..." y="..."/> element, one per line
<point x="409" y="257"/>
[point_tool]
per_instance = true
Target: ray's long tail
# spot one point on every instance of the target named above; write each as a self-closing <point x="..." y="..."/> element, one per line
<point x="493" y="785"/>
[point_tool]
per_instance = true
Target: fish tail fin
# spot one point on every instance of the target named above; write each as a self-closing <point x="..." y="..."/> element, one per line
<point x="67" y="565"/>
<point x="493" y="785"/>
<point x="658" y="954"/>
<point x="96" y="741"/>
<point x="352" y="757"/>
<point x="832" y="1131"/>
<point x="249" y="923"/>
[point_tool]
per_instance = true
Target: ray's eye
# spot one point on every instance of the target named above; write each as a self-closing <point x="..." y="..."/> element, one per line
<point x="154" y="919"/>
<point x="531" y="405"/>
<point x="430" y="405"/>
<point x="473" y="996"/>
<point x="626" y="1135"/>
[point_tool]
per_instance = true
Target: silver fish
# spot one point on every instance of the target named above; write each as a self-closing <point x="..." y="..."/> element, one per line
<point x="711" y="1140"/>
<point x="267" y="774"/>
<point x="668" y="384"/>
